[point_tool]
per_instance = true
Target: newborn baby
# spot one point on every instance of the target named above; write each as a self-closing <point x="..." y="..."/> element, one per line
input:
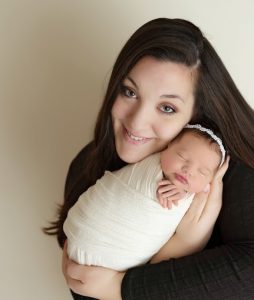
<point x="119" y="223"/>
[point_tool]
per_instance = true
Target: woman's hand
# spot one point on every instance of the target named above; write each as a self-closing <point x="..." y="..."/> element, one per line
<point x="196" y="226"/>
<point x="97" y="282"/>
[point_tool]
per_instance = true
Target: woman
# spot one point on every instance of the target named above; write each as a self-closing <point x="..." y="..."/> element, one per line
<point x="166" y="76"/>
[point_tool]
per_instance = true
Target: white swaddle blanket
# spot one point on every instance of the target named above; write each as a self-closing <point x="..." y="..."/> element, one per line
<point x="118" y="223"/>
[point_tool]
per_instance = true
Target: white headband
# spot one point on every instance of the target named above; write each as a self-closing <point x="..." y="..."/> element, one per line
<point x="213" y="136"/>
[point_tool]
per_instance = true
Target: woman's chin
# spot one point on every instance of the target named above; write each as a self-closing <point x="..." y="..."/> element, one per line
<point x="130" y="158"/>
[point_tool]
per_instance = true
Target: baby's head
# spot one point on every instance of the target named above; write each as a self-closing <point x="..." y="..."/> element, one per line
<point x="191" y="160"/>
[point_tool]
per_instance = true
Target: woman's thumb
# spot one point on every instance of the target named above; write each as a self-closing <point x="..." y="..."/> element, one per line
<point x="207" y="188"/>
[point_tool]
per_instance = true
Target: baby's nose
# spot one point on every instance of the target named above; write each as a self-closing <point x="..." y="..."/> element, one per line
<point x="187" y="169"/>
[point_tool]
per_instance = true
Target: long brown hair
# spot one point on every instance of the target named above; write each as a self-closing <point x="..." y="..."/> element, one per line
<point x="217" y="101"/>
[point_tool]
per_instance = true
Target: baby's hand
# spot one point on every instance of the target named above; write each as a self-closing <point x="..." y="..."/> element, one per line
<point x="168" y="194"/>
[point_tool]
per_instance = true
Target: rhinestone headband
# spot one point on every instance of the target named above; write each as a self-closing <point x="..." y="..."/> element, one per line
<point x="213" y="136"/>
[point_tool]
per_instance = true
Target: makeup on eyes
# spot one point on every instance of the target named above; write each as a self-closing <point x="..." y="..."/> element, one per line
<point x="126" y="91"/>
<point x="168" y="96"/>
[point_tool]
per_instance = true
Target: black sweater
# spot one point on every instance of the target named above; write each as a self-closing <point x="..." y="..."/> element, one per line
<point x="224" y="270"/>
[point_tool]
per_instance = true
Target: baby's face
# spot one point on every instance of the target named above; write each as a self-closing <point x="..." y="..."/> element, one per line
<point x="190" y="162"/>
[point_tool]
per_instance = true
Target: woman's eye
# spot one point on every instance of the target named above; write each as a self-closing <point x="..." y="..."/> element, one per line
<point x="167" y="109"/>
<point x="128" y="92"/>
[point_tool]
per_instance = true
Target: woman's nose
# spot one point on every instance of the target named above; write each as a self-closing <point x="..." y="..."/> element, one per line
<point x="140" y="118"/>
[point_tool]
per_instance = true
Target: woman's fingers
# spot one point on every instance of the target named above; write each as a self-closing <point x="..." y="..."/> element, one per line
<point x="64" y="258"/>
<point x="214" y="202"/>
<point x="223" y="169"/>
<point x="75" y="285"/>
<point x="196" y="208"/>
<point x="69" y="267"/>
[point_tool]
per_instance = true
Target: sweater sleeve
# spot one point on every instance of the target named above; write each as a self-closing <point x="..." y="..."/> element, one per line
<point x="223" y="271"/>
<point x="73" y="191"/>
<point x="74" y="173"/>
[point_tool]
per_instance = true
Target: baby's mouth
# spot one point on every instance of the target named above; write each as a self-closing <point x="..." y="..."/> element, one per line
<point x="181" y="178"/>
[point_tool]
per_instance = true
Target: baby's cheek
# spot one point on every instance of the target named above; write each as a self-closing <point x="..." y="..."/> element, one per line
<point x="197" y="187"/>
<point x="165" y="166"/>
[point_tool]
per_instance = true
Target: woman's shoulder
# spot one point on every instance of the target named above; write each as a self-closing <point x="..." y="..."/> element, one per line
<point x="149" y="166"/>
<point x="239" y="172"/>
<point x="77" y="165"/>
<point x="238" y="185"/>
<point x="81" y="157"/>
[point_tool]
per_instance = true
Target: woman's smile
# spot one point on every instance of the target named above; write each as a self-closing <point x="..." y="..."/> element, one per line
<point x="134" y="138"/>
<point x="154" y="104"/>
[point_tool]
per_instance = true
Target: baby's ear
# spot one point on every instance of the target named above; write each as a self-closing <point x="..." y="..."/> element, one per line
<point x="207" y="188"/>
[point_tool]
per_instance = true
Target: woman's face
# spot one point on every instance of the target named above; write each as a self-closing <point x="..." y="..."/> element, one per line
<point x="156" y="101"/>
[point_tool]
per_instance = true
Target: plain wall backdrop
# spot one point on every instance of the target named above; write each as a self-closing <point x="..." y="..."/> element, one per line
<point x="55" y="60"/>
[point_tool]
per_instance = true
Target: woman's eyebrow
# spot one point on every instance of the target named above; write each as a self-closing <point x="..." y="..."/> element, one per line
<point x="170" y="96"/>
<point x="173" y="97"/>
<point x="132" y="81"/>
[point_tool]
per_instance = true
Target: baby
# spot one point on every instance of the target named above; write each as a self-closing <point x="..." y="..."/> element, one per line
<point x="121" y="221"/>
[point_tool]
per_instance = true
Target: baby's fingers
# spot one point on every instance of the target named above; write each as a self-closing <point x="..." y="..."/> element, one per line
<point x="164" y="182"/>
<point x="175" y="202"/>
<point x="165" y="203"/>
<point x="166" y="188"/>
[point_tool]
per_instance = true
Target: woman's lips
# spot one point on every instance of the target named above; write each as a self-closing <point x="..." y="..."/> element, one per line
<point x="134" y="139"/>
<point x="181" y="178"/>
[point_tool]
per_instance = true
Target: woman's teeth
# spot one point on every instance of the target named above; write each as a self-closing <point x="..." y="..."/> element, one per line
<point x="135" y="138"/>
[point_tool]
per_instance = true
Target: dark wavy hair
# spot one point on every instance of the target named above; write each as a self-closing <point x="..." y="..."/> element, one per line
<point x="218" y="102"/>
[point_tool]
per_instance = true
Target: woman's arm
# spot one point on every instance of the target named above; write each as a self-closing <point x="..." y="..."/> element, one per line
<point x="192" y="233"/>
<point x="195" y="229"/>
<point x="225" y="271"/>
<point x="98" y="282"/>
<point x="105" y="284"/>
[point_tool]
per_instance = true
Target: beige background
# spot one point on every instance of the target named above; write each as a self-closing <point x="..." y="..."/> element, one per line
<point x="55" y="59"/>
